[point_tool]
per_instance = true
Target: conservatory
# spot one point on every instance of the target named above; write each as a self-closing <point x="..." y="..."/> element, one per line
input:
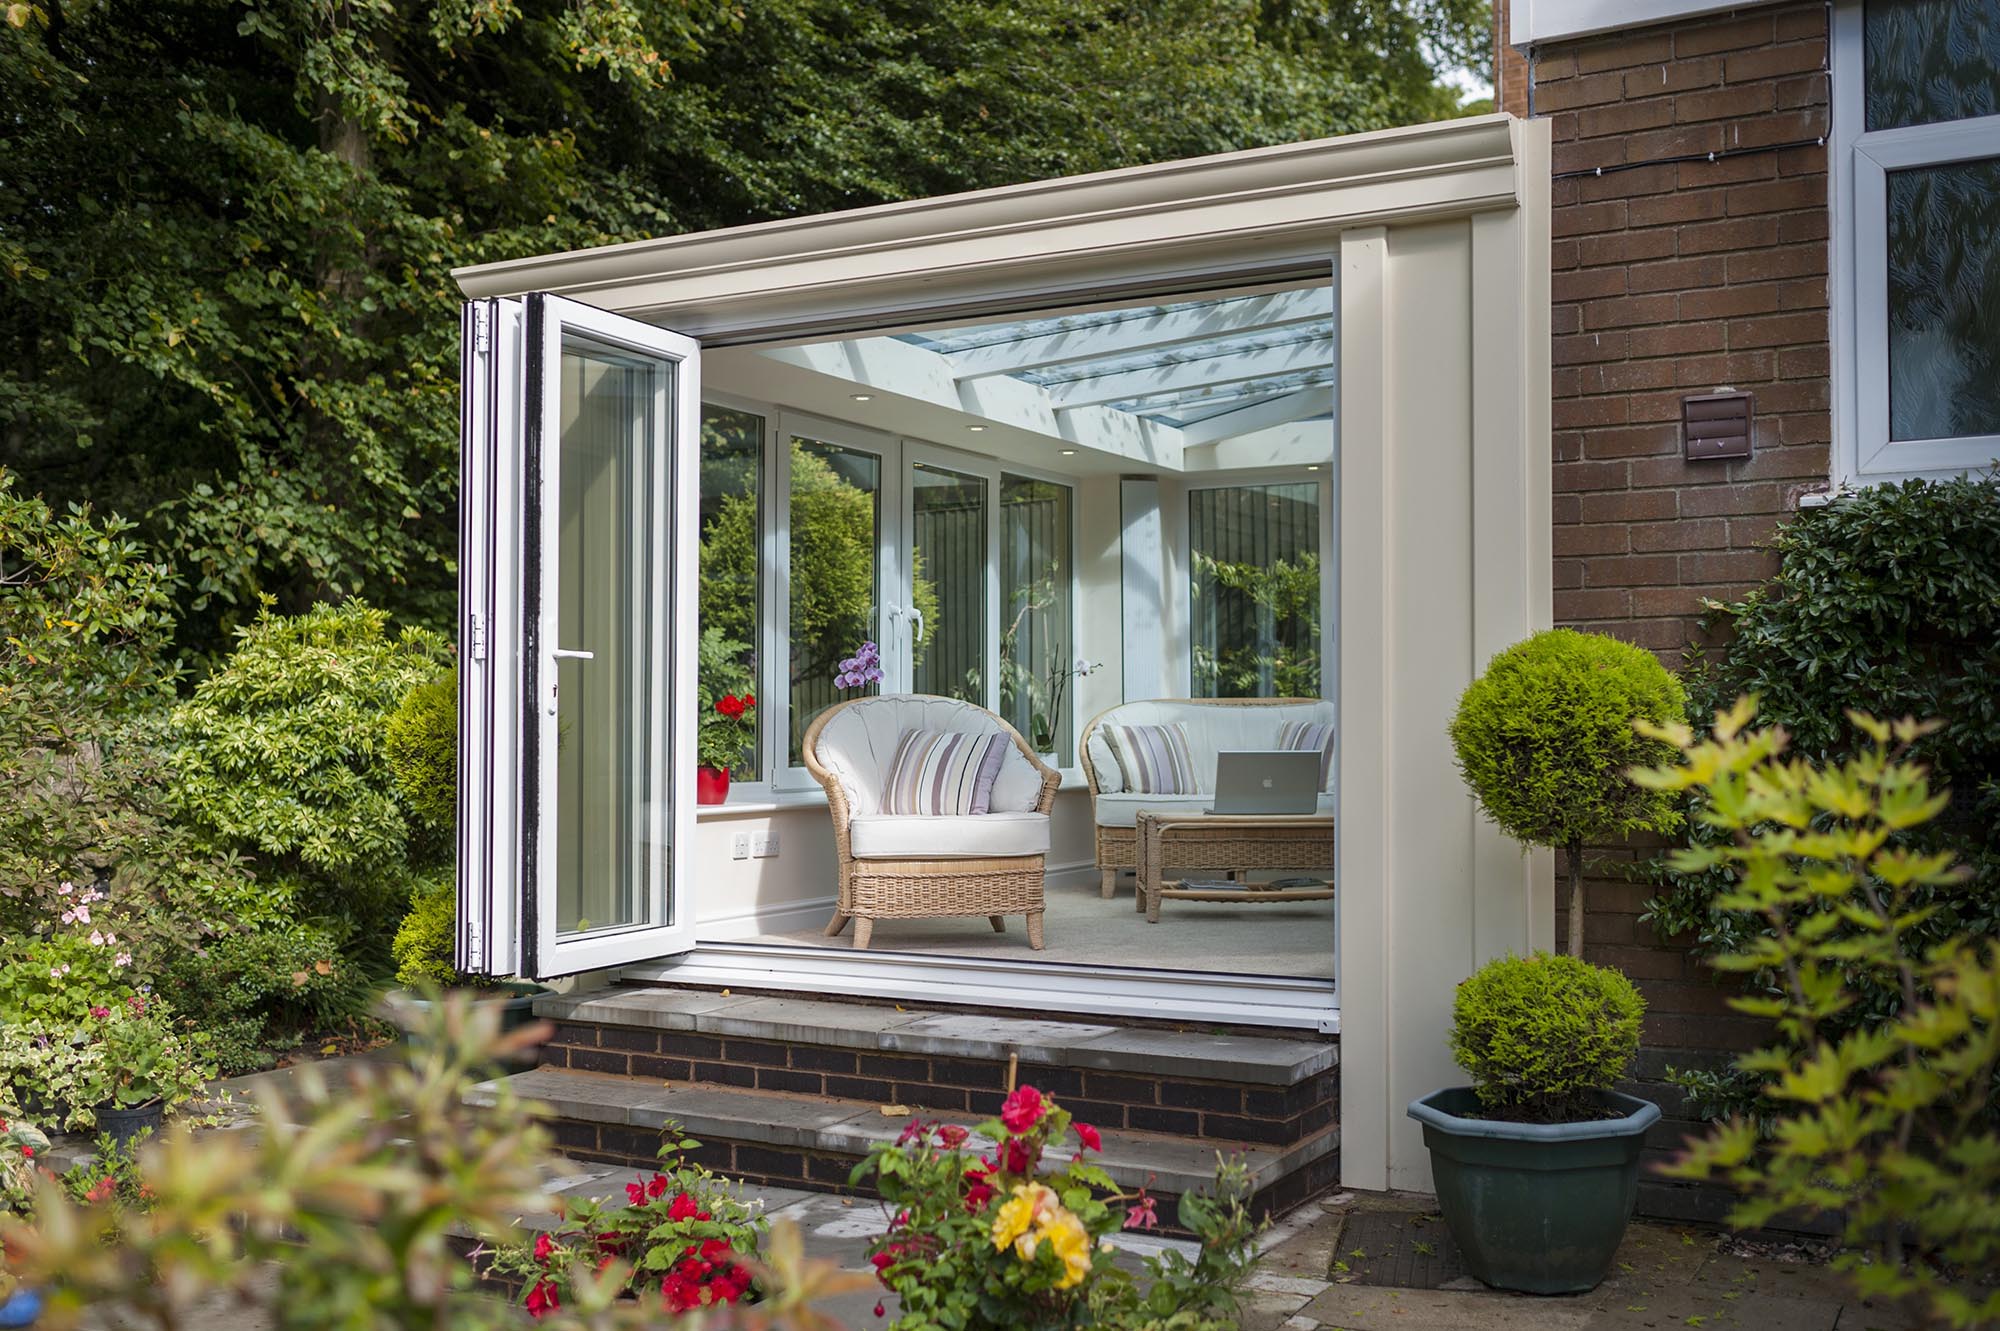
<point x="1271" y="424"/>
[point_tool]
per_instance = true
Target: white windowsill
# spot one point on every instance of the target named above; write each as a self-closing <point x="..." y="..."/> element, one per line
<point x="765" y="802"/>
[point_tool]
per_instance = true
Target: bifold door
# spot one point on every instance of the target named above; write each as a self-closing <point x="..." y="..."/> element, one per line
<point x="579" y="445"/>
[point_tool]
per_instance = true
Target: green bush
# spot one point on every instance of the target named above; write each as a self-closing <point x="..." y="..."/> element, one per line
<point x="266" y="989"/>
<point x="1542" y="1036"/>
<point x="1887" y="600"/>
<point x="422" y="748"/>
<point x="1888" y="1126"/>
<point x="425" y="941"/>
<point x="1545" y="736"/>
<point x="282" y="753"/>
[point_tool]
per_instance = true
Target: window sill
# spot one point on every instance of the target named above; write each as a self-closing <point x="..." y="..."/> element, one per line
<point x="762" y="803"/>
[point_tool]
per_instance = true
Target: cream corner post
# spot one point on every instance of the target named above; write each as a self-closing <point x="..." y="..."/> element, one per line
<point x="580" y="474"/>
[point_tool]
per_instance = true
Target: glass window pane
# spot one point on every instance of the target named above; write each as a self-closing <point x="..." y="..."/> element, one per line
<point x="1255" y="593"/>
<point x="613" y="547"/>
<point x="1930" y="61"/>
<point x="1944" y="301"/>
<point x="948" y="582"/>
<point x="1037" y="651"/>
<point x="732" y="448"/>
<point x="836" y="513"/>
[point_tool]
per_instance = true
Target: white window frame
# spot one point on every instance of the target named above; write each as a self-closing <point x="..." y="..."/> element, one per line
<point x="1329" y="571"/>
<point x="768" y="704"/>
<point x="1858" y="165"/>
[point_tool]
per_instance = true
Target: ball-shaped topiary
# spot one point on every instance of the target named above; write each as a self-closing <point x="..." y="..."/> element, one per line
<point x="1545" y="738"/>
<point x="424" y="943"/>
<point x="421" y="743"/>
<point x="1543" y="1035"/>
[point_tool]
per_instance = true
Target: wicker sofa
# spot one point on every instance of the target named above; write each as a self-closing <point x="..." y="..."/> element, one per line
<point x="909" y="866"/>
<point x="1212" y="724"/>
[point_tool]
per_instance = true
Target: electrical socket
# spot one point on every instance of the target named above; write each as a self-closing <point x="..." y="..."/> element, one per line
<point x="763" y="844"/>
<point x="739" y="847"/>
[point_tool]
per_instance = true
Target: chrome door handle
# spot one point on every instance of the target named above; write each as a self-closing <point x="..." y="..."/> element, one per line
<point x="918" y="617"/>
<point x="565" y="654"/>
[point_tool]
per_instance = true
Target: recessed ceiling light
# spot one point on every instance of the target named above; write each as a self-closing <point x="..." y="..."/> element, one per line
<point x="975" y="428"/>
<point x="1069" y="452"/>
<point x="862" y="397"/>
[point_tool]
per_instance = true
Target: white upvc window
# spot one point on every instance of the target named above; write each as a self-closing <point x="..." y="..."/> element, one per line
<point x="1916" y="238"/>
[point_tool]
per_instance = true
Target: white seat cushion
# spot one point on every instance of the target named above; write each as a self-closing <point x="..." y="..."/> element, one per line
<point x="1123" y="810"/>
<point x="887" y="836"/>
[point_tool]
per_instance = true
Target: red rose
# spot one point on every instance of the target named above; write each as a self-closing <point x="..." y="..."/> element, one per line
<point x="1020" y="1159"/>
<point x="542" y="1299"/>
<point x="683" y="1208"/>
<point x="1088" y="1136"/>
<point x="1023" y="1109"/>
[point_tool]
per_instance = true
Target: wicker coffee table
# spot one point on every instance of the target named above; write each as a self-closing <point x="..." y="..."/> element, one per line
<point x="1229" y="843"/>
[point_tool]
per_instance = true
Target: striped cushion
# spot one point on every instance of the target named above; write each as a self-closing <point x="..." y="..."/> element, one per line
<point x="1296" y="735"/>
<point x="1154" y="759"/>
<point x="940" y="773"/>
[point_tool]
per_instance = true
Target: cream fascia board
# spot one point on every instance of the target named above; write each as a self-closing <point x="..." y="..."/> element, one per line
<point x="1532" y="22"/>
<point x="1153" y="229"/>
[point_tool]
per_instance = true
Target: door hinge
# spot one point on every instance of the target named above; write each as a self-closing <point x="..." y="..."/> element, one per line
<point x="482" y="327"/>
<point x="477" y="647"/>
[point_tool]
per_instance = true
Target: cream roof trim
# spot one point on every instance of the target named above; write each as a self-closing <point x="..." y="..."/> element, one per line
<point x="1148" y="228"/>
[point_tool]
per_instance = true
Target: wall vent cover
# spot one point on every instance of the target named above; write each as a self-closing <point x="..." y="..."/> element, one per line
<point x="1716" y="426"/>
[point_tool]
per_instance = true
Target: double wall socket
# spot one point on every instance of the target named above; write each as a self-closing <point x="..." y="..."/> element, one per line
<point x="753" y="845"/>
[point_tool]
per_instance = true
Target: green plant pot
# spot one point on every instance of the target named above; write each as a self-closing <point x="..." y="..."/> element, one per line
<point x="1535" y="1207"/>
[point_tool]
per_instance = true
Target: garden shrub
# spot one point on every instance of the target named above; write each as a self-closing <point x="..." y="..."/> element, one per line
<point x="1544" y="737"/>
<point x="1887" y="600"/>
<point x="281" y="752"/>
<point x="1886" y="1126"/>
<point x="426" y="941"/>
<point x="421" y="742"/>
<point x="266" y="988"/>
<point x="1543" y="1036"/>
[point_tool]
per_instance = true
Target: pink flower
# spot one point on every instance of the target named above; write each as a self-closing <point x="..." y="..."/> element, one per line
<point x="1140" y="1215"/>
<point x="100" y="1012"/>
<point x="1023" y="1109"/>
<point x="544" y="1245"/>
<point x="82" y="913"/>
<point x="122" y="959"/>
<point x="65" y="889"/>
<point x="96" y="938"/>
<point x="1088" y="1136"/>
<point x="69" y="917"/>
<point x="952" y="1135"/>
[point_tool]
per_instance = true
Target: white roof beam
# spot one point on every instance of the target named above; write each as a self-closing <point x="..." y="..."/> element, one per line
<point x="1182" y="376"/>
<point x="1297" y="406"/>
<point x="1091" y="337"/>
<point x="1295" y="443"/>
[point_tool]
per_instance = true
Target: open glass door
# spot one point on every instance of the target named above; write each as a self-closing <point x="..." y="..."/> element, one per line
<point x="577" y="567"/>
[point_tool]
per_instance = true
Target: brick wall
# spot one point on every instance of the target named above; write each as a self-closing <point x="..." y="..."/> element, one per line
<point x="1510" y="69"/>
<point x="1674" y="277"/>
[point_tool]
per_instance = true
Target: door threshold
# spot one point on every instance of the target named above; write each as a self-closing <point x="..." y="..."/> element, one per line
<point x="1044" y="988"/>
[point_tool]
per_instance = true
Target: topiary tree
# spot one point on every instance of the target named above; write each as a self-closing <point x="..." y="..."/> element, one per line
<point x="1543" y="1035"/>
<point x="1545" y="737"/>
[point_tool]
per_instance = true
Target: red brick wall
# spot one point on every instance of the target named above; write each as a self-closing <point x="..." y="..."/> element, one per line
<point x="1510" y="70"/>
<point x="1675" y="277"/>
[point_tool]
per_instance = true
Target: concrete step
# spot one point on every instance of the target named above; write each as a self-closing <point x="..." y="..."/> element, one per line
<point x="1194" y="1082"/>
<point x="791" y="1140"/>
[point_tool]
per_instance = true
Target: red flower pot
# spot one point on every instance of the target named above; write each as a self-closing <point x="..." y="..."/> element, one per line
<point x="711" y="785"/>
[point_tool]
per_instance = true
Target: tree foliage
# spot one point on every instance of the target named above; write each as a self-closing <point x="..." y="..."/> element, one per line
<point x="1889" y="1125"/>
<point x="226" y="228"/>
<point x="1544" y="1036"/>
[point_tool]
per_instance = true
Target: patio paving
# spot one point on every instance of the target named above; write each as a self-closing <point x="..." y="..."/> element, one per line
<point x="1667" y="1276"/>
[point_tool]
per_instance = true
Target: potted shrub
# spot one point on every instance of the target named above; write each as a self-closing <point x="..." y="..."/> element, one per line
<point x="1537" y="1162"/>
<point x="1546" y="735"/>
<point x="137" y="1067"/>
<point x="424" y="949"/>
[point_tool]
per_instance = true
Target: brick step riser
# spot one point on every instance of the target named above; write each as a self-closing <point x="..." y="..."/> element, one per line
<point x="1221" y="1111"/>
<point x="760" y="1163"/>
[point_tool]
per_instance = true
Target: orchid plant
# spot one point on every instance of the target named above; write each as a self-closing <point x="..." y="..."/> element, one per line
<point x="986" y="1234"/>
<point x="861" y="669"/>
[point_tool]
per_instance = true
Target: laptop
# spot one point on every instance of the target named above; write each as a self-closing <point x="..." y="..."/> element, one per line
<point x="1266" y="781"/>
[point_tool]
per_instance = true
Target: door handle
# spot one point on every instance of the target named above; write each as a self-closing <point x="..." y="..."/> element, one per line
<point x="917" y="618"/>
<point x="565" y="654"/>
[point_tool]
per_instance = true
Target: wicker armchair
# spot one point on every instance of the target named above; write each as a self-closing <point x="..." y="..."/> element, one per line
<point x="909" y="867"/>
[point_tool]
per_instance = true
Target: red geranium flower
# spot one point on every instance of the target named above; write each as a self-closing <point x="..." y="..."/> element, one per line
<point x="656" y="1187"/>
<point x="543" y="1246"/>
<point x="542" y="1299"/>
<point x="1023" y="1109"/>
<point x="730" y="705"/>
<point x="1088" y="1136"/>
<point x="683" y="1208"/>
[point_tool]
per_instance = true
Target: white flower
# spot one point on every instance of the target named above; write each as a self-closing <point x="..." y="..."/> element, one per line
<point x="111" y="938"/>
<point x="96" y="938"/>
<point x="69" y="917"/>
<point x="122" y="959"/>
<point x="55" y="972"/>
<point x="65" y="889"/>
<point x="83" y="913"/>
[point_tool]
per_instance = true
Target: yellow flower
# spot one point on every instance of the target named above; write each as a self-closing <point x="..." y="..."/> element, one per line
<point x="1017" y="1214"/>
<point x="1071" y="1242"/>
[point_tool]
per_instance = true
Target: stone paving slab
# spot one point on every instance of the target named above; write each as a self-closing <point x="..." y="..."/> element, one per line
<point x="1260" y="1060"/>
